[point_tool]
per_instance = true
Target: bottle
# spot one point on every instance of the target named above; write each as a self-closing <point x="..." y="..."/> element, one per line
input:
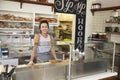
<point x="80" y="55"/>
<point x="83" y="56"/>
<point x="73" y="55"/>
<point x="0" y="53"/>
<point x="77" y="54"/>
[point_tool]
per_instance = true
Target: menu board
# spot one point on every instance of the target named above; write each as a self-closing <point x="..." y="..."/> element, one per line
<point x="77" y="7"/>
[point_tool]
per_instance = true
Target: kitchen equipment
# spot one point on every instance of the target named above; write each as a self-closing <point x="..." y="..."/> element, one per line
<point x="116" y="29"/>
<point x="0" y="53"/>
<point x="7" y="75"/>
<point x="108" y="29"/>
<point x="95" y="35"/>
<point x="4" y="52"/>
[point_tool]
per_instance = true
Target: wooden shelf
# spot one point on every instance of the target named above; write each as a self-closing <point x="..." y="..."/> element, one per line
<point x="33" y="2"/>
<point x="117" y="43"/>
<point x="105" y="9"/>
<point x="113" y="33"/>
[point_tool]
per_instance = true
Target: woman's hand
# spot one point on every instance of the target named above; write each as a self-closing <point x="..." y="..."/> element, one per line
<point x="31" y="63"/>
<point x="59" y="60"/>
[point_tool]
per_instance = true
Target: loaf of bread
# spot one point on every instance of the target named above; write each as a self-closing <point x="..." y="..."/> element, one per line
<point x="38" y="19"/>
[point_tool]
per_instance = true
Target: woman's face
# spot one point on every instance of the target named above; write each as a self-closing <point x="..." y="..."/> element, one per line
<point x="44" y="28"/>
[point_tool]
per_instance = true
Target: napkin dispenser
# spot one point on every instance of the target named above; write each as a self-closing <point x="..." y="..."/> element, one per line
<point x="4" y="52"/>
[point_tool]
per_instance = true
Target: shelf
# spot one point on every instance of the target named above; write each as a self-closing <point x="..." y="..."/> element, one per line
<point x="96" y="39"/>
<point x="33" y="2"/>
<point x="16" y="21"/>
<point x="105" y="9"/>
<point x="50" y="24"/>
<point x="117" y="43"/>
<point x="15" y="29"/>
<point x="14" y="34"/>
<point x="113" y="33"/>
<point x="15" y="45"/>
<point x="51" y="18"/>
<point x="114" y="20"/>
<point x="65" y="21"/>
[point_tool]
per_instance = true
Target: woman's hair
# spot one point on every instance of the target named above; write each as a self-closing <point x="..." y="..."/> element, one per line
<point x="43" y="21"/>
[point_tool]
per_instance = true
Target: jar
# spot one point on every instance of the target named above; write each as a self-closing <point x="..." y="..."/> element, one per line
<point x="101" y="35"/>
<point x="108" y="29"/>
<point x="104" y="36"/>
<point x="95" y="35"/>
<point x="116" y="29"/>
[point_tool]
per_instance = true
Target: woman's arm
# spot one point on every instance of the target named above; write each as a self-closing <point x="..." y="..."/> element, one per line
<point x="52" y="48"/>
<point x="34" y="51"/>
<point x="54" y="54"/>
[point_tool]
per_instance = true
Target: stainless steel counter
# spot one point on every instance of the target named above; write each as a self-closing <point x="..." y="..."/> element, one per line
<point x="59" y="71"/>
<point x="82" y="69"/>
<point x="42" y="71"/>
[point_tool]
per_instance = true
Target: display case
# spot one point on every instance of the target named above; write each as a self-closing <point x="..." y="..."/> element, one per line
<point x="16" y="27"/>
<point x="20" y="27"/>
<point x="16" y="23"/>
<point x="64" y="30"/>
<point x="17" y="30"/>
<point x="98" y="57"/>
<point x="49" y="69"/>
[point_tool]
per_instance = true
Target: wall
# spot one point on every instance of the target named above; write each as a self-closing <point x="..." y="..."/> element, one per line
<point x="111" y="2"/>
<point x="88" y="29"/>
<point x="99" y="18"/>
<point x="99" y="24"/>
<point x="15" y="6"/>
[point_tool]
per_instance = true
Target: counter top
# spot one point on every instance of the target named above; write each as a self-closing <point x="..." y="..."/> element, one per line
<point x="98" y="76"/>
<point x="41" y="65"/>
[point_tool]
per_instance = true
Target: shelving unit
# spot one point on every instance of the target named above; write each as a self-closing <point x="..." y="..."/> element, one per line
<point x="112" y="26"/>
<point x="16" y="23"/>
<point x="112" y="21"/>
<point x="17" y="30"/>
<point x="105" y="9"/>
<point x="51" y="18"/>
<point x="21" y="24"/>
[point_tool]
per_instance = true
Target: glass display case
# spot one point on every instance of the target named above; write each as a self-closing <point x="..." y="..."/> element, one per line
<point x="23" y="71"/>
<point x="97" y="57"/>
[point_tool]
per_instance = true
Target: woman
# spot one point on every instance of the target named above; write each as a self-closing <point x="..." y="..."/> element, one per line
<point x="42" y="45"/>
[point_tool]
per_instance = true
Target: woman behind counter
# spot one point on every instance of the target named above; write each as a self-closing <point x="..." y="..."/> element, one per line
<point x="43" y="49"/>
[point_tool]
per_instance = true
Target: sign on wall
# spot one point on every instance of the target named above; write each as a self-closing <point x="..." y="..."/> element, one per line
<point x="77" y="7"/>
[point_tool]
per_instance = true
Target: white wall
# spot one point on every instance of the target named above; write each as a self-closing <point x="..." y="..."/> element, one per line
<point x="96" y="23"/>
<point x="100" y="17"/>
<point x="15" y="6"/>
<point x="89" y="16"/>
<point x="108" y="3"/>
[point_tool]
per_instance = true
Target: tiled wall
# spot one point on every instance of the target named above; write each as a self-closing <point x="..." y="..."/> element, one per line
<point x="109" y="3"/>
<point x="99" y="24"/>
